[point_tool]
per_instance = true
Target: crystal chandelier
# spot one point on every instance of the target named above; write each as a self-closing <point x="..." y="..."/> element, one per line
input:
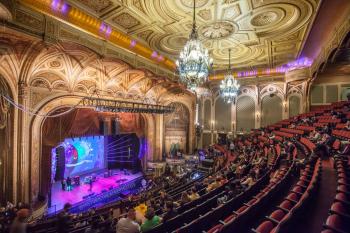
<point x="194" y="62"/>
<point x="229" y="87"/>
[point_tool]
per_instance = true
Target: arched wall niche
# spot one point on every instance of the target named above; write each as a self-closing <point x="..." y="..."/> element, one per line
<point x="7" y="145"/>
<point x="294" y="102"/>
<point x="245" y="113"/>
<point x="207" y="113"/>
<point x="271" y="109"/>
<point x="177" y="125"/>
<point x="222" y="115"/>
<point x="6" y="9"/>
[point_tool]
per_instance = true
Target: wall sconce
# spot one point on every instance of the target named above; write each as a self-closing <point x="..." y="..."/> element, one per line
<point x="258" y="115"/>
<point x="212" y="125"/>
<point x="285" y="106"/>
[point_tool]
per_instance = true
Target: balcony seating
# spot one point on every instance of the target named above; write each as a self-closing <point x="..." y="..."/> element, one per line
<point x="341" y="133"/>
<point x="310" y="145"/>
<point x="283" y="217"/>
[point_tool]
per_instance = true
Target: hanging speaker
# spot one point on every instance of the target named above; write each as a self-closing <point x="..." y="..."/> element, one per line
<point x="101" y="126"/>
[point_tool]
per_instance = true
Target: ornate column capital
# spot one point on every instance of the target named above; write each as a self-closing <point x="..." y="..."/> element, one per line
<point x="23" y="89"/>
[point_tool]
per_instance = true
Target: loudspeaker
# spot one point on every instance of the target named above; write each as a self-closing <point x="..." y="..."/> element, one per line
<point x="272" y="95"/>
<point x="102" y="127"/>
<point x="115" y="127"/>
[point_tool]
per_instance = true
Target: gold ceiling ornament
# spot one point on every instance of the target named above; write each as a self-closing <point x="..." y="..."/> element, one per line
<point x="265" y="33"/>
<point x="63" y="11"/>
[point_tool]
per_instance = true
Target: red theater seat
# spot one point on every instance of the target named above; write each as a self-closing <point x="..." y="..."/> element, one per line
<point x="265" y="227"/>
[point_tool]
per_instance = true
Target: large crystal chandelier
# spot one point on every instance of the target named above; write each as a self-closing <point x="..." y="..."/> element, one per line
<point x="194" y="62"/>
<point x="229" y="87"/>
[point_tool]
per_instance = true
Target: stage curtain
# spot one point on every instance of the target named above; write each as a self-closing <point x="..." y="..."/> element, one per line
<point x="78" y="123"/>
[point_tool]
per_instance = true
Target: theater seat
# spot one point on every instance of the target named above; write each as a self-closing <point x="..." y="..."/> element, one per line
<point x="286" y="205"/>
<point x="265" y="227"/>
<point x="215" y="229"/>
<point x="338" y="207"/>
<point x="277" y="215"/>
<point x="342" y="197"/>
<point x="335" y="222"/>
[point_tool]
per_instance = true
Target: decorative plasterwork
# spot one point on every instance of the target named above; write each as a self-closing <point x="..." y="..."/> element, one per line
<point x="72" y="68"/>
<point x="261" y="33"/>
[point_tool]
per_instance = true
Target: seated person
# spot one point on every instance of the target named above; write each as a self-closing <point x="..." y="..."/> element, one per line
<point x="170" y="211"/>
<point x="193" y="195"/>
<point x="184" y="198"/>
<point x="151" y="221"/>
<point x="249" y="181"/>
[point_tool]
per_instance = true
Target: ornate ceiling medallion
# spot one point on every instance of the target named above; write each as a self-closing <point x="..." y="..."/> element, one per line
<point x="189" y="3"/>
<point x="266" y="18"/>
<point x="218" y="30"/>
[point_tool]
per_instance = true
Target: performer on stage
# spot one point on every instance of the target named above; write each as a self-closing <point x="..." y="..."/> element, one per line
<point x="69" y="183"/>
<point x="63" y="184"/>
<point x="90" y="184"/>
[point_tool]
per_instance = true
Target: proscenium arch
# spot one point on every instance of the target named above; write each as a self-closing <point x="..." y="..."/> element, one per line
<point x="36" y="124"/>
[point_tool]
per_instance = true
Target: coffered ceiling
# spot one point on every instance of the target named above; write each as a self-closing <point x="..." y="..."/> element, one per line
<point x="261" y="33"/>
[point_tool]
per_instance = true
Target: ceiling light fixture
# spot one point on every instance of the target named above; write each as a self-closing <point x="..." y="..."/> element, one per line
<point x="194" y="62"/>
<point x="229" y="87"/>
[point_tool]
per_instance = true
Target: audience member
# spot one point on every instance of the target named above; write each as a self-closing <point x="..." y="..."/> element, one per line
<point x="128" y="224"/>
<point x="152" y="220"/>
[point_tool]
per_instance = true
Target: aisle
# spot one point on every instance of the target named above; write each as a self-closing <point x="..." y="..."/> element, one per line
<point x="318" y="211"/>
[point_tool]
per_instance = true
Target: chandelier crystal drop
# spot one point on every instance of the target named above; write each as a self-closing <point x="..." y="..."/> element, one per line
<point x="229" y="87"/>
<point x="194" y="62"/>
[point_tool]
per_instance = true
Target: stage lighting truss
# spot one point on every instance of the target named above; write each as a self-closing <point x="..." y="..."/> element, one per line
<point x="106" y="105"/>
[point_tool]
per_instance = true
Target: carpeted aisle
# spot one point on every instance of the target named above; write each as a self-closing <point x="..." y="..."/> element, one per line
<point x="318" y="211"/>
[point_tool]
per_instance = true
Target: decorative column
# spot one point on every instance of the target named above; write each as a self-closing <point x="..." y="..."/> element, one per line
<point x="234" y="119"/>
<point x="258" y="114"/>
<point x="304" y="75"/>
<point x="285" y="104"/>
<point x="158" y="145"/>
<point x="23" y="157"/>
<point x="212" y="122"/>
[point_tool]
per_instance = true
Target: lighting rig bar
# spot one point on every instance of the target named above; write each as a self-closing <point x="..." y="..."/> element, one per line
<point x="106" y="105"/>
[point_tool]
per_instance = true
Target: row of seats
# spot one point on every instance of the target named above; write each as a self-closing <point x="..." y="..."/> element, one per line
<point x="306" y="128"/>
<point x="238" y="219"/>
<point x="338" y="220"/>
<point x="341" y="133"/>
<point x="309" y="144"/>
<point x="283" y="134"/>
<point x="292" y="131"/>
<point x="281" y="219"/>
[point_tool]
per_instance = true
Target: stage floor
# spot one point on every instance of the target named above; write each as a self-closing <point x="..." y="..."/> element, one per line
<point x="60" y="197"/>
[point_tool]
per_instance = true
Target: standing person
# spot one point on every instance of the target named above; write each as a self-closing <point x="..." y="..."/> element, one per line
<point x="69" y="183"/>
<point x="128" y="224"/>
<point x="19" y="225"/>
<point x="232" y="147"/>
<point x="90" y="185"/>
<point x="63" y="184"/>
<point x="64" y="219"/>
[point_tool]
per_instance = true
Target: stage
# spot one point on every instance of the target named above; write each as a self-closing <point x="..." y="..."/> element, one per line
<point x="102" y="185"/>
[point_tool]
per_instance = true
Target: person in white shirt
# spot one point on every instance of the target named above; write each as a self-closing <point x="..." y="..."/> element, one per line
<point x="128" y="224"/>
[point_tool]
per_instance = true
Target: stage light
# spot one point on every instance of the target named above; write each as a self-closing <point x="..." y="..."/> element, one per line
<point x="106" y="105"/>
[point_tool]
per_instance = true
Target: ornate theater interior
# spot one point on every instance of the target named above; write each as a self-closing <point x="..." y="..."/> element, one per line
<point x="181" y="116"/>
